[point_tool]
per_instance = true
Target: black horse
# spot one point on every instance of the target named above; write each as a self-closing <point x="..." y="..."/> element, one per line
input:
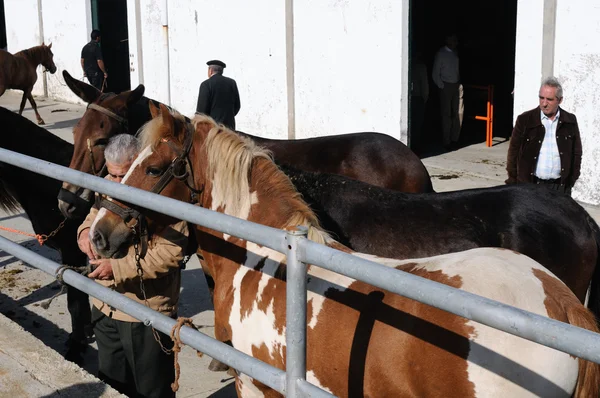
<point x="36" y="195"/>
<point x="545" y="225"/>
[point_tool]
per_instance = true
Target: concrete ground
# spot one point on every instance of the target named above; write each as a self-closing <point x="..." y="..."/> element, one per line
<point x="22" y="288"/>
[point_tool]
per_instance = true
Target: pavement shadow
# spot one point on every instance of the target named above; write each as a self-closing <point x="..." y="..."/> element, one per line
<point x="88" y="390"/>
<point x="45" y="330"/>
<point x="63" y="124"/>
<point x="194" y="297"/>
<point x="226" y="392"/>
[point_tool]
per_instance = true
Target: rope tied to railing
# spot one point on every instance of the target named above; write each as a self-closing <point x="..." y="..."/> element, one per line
<point x="177" y="344"/>
<point x="84" y="270"/>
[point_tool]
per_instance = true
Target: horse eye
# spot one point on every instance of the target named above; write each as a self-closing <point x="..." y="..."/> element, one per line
<point x="101" y="142"/>
<point x="153" y="171"/>
<point x="102" y="124"/>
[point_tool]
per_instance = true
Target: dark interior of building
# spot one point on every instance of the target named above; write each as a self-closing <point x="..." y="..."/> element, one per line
<point x="110" y="16"/>
<point x="486" y="32"/>
<point x="3" y="42"/>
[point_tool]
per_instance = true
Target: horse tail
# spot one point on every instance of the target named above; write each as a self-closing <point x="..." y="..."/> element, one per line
<point x="588" y="381"/>
<point x="594" y="298"/>
<point x="8" y="202"/>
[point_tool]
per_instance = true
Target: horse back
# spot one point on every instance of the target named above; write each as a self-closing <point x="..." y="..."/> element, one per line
<point x="16" y="72"/>
<point x="394" y="346"/>
<point x="375" y="158"/>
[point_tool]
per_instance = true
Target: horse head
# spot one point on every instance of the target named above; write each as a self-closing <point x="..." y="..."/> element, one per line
<point x="48" y="58"/>
<point x="107" y="115"/>
<point x="162" y="167"/>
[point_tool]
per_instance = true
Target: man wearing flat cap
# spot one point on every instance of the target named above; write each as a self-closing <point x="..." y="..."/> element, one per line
<point x="219" y="97"/>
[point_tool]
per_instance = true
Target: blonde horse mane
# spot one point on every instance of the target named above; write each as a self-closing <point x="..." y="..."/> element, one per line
<point x="230" y="161"/>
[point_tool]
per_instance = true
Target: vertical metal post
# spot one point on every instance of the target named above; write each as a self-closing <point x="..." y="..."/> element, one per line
<point x="295" y="328"/>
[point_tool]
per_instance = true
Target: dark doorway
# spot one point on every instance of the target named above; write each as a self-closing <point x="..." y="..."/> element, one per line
<point x="3" y="43"/>
<point x="486" y="31"/>
<point x="110" y="17"/>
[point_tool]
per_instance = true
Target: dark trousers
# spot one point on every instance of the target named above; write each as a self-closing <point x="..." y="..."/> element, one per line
<point x="449" y="105"/>
<point x="555" y="185"/>
<point x="96" y="79"/>
<point x="131" y="360"/>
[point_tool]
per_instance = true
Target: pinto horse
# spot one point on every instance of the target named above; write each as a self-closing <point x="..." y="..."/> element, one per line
<point x="361" y="340"/>
<point x="374" y="158"/>
<point x="551" y="228"/>
<point x="36" y="195"/>
<point x="18" y="71"/>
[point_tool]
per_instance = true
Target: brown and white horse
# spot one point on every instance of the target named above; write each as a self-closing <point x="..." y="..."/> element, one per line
<point x="362" y="341"/>
<point x="18" y="71"/>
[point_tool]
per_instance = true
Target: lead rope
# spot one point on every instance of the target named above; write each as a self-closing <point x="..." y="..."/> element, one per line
<point x="175" y="331"/>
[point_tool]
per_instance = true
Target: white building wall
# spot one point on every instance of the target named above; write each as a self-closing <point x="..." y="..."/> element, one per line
<point x="23" y="32"/>
<point x="528" y="55"/>
<point x="577" y="65"/>
<point x="65" y="26"/>
<point x="252" y="47"/>
<point x="348" y="66"/>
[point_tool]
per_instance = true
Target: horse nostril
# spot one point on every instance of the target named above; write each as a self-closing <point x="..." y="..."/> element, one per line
<point x="99" y="241"/>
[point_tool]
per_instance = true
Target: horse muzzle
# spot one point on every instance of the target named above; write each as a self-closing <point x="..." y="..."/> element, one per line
<point x="74" y="205"/>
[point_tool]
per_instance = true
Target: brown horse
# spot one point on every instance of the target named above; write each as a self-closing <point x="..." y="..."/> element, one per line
<point x="18" y="71"/>
<point x="362" y="341"/>
<point x="374" y="158"/>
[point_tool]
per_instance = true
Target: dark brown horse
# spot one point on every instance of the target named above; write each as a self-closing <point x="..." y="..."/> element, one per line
<point x="36" y="195"/>
<point x="374" y="158"/>
<point x="18" y="71"/>
<point x="361" y="340"/>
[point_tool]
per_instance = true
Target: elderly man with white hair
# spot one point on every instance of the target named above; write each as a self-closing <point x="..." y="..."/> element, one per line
<point x="131" y="359"/>
<point x="545" y="146"/>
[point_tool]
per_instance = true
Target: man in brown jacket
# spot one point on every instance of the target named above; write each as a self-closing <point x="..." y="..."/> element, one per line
<point x="545" y="146"/>
<point x="130" y="358"/>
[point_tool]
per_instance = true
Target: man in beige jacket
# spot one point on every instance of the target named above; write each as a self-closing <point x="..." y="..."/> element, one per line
<point x="130" y="358"/>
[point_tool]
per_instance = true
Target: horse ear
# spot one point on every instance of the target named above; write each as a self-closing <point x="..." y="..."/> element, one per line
<point x="135" y="95"/>
<point x="154" y="111"/>
<point x="50" y="45"/>
<point x="167" y="117"/>
<point x="83" y="90"/>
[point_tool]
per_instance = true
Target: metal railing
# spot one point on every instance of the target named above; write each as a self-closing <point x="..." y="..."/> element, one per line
<point x="300" y="251"/>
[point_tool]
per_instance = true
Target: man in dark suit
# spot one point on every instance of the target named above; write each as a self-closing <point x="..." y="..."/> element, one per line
<point x="219" y="97"/>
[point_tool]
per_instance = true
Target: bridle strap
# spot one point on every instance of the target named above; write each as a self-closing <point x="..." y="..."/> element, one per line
<point x="108" y="113"/>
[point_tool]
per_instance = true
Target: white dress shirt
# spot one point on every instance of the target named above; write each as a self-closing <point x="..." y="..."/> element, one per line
<point x="548" y="165"/>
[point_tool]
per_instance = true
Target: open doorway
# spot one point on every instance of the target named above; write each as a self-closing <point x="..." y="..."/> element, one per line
<point x="3" y="43"/>
<point x="486" y="31"/>
<point x="110" y="17"/>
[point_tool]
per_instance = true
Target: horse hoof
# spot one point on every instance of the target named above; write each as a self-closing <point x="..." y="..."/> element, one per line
<point x="217" y="366"/>
<point x="74" y="355"/>
<point x="41" y="122"/>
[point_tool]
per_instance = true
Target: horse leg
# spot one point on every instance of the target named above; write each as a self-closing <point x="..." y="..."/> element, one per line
<point x="23" y="103"/>
<point x="34" y="106"/>
<point x="78" y="304"/>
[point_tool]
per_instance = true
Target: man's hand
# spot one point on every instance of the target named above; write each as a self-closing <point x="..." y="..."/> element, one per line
<point x="103" y="269"/>
<point x="85" y="245"/>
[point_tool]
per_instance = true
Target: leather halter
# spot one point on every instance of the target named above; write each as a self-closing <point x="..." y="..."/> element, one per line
<point x="123" y="123"/>
<point x="122" y="120"/>
<point x="180" y="169"/>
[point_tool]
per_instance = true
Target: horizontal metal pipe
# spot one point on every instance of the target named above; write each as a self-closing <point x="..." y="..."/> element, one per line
<point x="310" y="390"/>
<point x="269" y="375"/>
<point x="549" y="332"/>
<point x="563" y="337"/>
<point x="263" y="235"/>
